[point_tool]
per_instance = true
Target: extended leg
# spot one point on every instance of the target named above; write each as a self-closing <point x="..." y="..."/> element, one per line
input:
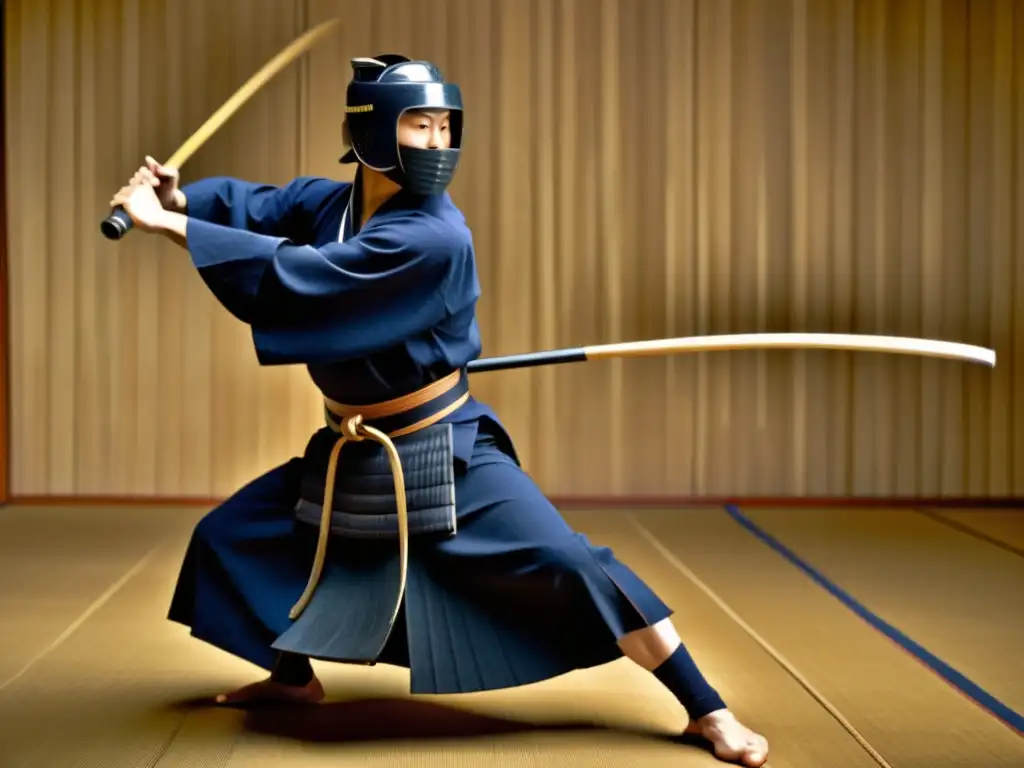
<point x="576" y="604"/>
<point x="242" y="570"/>
<point x="659" y="650"/>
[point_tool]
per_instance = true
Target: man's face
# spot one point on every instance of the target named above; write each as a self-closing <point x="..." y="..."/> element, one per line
<point x="425" y="129"/>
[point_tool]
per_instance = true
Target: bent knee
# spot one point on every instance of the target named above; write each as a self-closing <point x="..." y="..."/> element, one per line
<point x="574" y="558"/>
<point x="651" y="646"/>
<point x="215" y="526"/>
<point x="267" y="500"/>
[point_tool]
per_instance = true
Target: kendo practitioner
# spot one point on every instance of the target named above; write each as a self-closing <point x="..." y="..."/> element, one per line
<point x="372" y="285"/>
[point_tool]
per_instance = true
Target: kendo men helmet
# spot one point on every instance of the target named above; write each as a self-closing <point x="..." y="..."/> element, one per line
<point x="384" y="88"/>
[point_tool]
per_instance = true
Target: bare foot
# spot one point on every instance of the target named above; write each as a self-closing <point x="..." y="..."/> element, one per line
<point x="270" y="692"/>
<point x="731" y="740"/>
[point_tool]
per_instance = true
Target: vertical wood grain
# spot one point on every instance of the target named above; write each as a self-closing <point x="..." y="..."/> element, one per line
<point x="1016" y="346"/>
<point x="956" y="252"/>
<point x="632" y="169"/>
<point x="933" y="245"/>
<point x="996" y="477"/>
<point x="678" y="148"/>
<point x="5" y="427"/>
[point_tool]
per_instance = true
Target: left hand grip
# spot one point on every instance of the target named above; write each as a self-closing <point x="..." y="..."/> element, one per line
<point x="117" y="224"/>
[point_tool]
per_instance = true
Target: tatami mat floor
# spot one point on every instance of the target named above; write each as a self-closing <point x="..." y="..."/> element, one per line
<point x="785" y="609"/>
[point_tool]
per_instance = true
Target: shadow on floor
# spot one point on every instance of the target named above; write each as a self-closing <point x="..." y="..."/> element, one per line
<point x="395" y="719"/>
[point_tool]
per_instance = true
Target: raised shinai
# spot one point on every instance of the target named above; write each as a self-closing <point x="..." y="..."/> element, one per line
<point x="407" y="533"/>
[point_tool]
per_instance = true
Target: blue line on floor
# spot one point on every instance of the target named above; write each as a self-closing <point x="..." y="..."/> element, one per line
<point x="972" y="690"/>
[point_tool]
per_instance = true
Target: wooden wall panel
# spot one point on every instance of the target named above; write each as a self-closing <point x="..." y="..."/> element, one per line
<point x="633" y="169"/>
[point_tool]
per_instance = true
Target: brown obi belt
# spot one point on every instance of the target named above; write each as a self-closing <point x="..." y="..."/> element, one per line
<point x="407" y="414"/>
<point x="381" y="423"/>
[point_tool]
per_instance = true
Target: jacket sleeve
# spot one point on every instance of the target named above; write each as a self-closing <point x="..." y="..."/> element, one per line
<point x="374" y="291"/>
<point x="261" y="208"/>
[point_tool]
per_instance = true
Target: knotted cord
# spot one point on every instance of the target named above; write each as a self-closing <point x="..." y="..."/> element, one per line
<point x="353" y="430"/>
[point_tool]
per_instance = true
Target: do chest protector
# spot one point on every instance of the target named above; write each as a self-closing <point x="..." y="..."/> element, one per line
<point x="382" y="89"/>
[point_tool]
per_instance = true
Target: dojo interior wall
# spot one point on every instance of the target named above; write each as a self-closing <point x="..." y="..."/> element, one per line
<point x="633" y="169"/>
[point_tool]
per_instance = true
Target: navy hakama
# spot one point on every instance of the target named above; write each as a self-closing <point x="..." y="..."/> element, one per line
<point x="516" y="597"/>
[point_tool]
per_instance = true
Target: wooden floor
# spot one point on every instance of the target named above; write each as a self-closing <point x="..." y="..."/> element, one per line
<point x="787" y="610"/>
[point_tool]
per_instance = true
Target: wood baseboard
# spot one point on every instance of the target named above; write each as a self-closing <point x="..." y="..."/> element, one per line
<point x="578" y="502"/>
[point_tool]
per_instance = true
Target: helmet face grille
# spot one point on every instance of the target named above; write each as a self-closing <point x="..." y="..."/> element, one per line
<point x="426" y="171"/>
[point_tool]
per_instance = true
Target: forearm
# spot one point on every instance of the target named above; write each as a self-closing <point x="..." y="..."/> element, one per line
<point x="174" y="226"/>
